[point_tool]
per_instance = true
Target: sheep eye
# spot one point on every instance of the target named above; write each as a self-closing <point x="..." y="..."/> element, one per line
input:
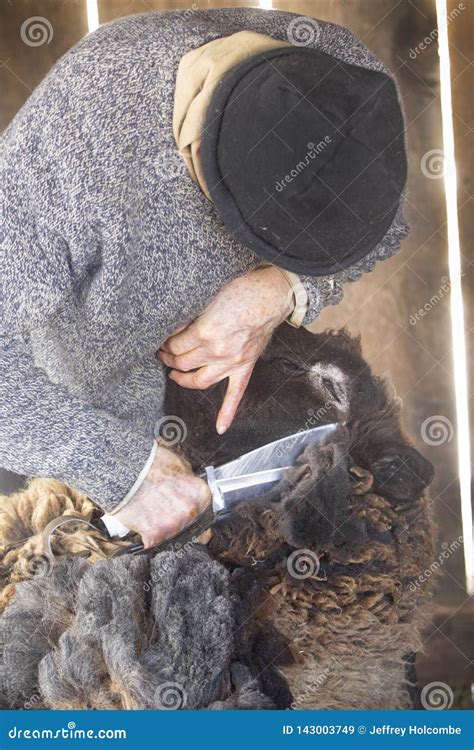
<point x="329" y="386"/>
<point x="292" y="366"/>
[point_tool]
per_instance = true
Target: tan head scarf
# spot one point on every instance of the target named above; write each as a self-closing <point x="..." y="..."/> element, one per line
<point x="199" y="72"/>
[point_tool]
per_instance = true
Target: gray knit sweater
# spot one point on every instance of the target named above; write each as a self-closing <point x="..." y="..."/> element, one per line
<point x="107" y="246"/>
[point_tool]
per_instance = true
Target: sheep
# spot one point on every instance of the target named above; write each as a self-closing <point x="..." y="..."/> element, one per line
<point x="310" y="586"/>
<point x="356" y="509"/>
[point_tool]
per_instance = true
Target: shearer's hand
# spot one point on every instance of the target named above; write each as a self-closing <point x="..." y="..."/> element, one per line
<point x="228" y="337"/>
<point x="168" y="500"/>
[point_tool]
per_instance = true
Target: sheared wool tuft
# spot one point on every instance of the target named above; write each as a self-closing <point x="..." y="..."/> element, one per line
<point x="126" y="634"/>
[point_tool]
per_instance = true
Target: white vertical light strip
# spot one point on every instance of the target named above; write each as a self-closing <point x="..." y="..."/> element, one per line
<point x="457" y="308"/>
<point x="92" y="15"/>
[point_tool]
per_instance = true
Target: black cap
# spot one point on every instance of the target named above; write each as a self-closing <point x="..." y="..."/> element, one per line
<point x="304" y="158"/>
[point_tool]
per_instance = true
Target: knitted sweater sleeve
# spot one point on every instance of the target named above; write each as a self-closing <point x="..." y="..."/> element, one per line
<point x="45" y="429"/>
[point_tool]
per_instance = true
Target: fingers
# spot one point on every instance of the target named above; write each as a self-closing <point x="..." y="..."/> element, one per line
<point x="209" y="375"/>
<point x="153" y="537"/>
<point x="175" y="333"/>
<point x="200" y="379"/>
<point x="182" y="516"/>
<point x="238" y="382"/>
<point x="205" y="538"/>
<point x="186" y="339"/>
<point x="185" y="362"/>
<point x="168" y="533"/>
<point x="180" y="328"/>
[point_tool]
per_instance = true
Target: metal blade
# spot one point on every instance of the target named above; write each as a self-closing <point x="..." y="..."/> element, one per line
<point x="282" y="452"/>
<point x="251" y="480"/>
<point x="252" y="471"/>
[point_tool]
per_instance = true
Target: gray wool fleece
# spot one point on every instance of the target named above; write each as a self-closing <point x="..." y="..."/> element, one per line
<point x="108" y="246"/>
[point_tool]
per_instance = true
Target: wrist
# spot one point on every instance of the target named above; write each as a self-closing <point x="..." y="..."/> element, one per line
<point x="138" y="482"/>
<point x="282" y="289"/>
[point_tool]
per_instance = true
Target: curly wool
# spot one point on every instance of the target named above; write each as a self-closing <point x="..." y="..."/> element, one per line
<point x="23" y="517"/>
<point x="130" y="633"/>
<point x="351" y="622"/>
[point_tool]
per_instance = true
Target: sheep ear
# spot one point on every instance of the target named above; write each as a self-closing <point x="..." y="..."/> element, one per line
<point x="401" y="473"/>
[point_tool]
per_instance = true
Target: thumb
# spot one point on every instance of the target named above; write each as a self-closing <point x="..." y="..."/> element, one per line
<point x="238" y="382"/>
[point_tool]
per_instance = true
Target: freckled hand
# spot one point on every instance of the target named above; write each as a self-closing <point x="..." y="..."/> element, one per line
<point x="228" y="337"/>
